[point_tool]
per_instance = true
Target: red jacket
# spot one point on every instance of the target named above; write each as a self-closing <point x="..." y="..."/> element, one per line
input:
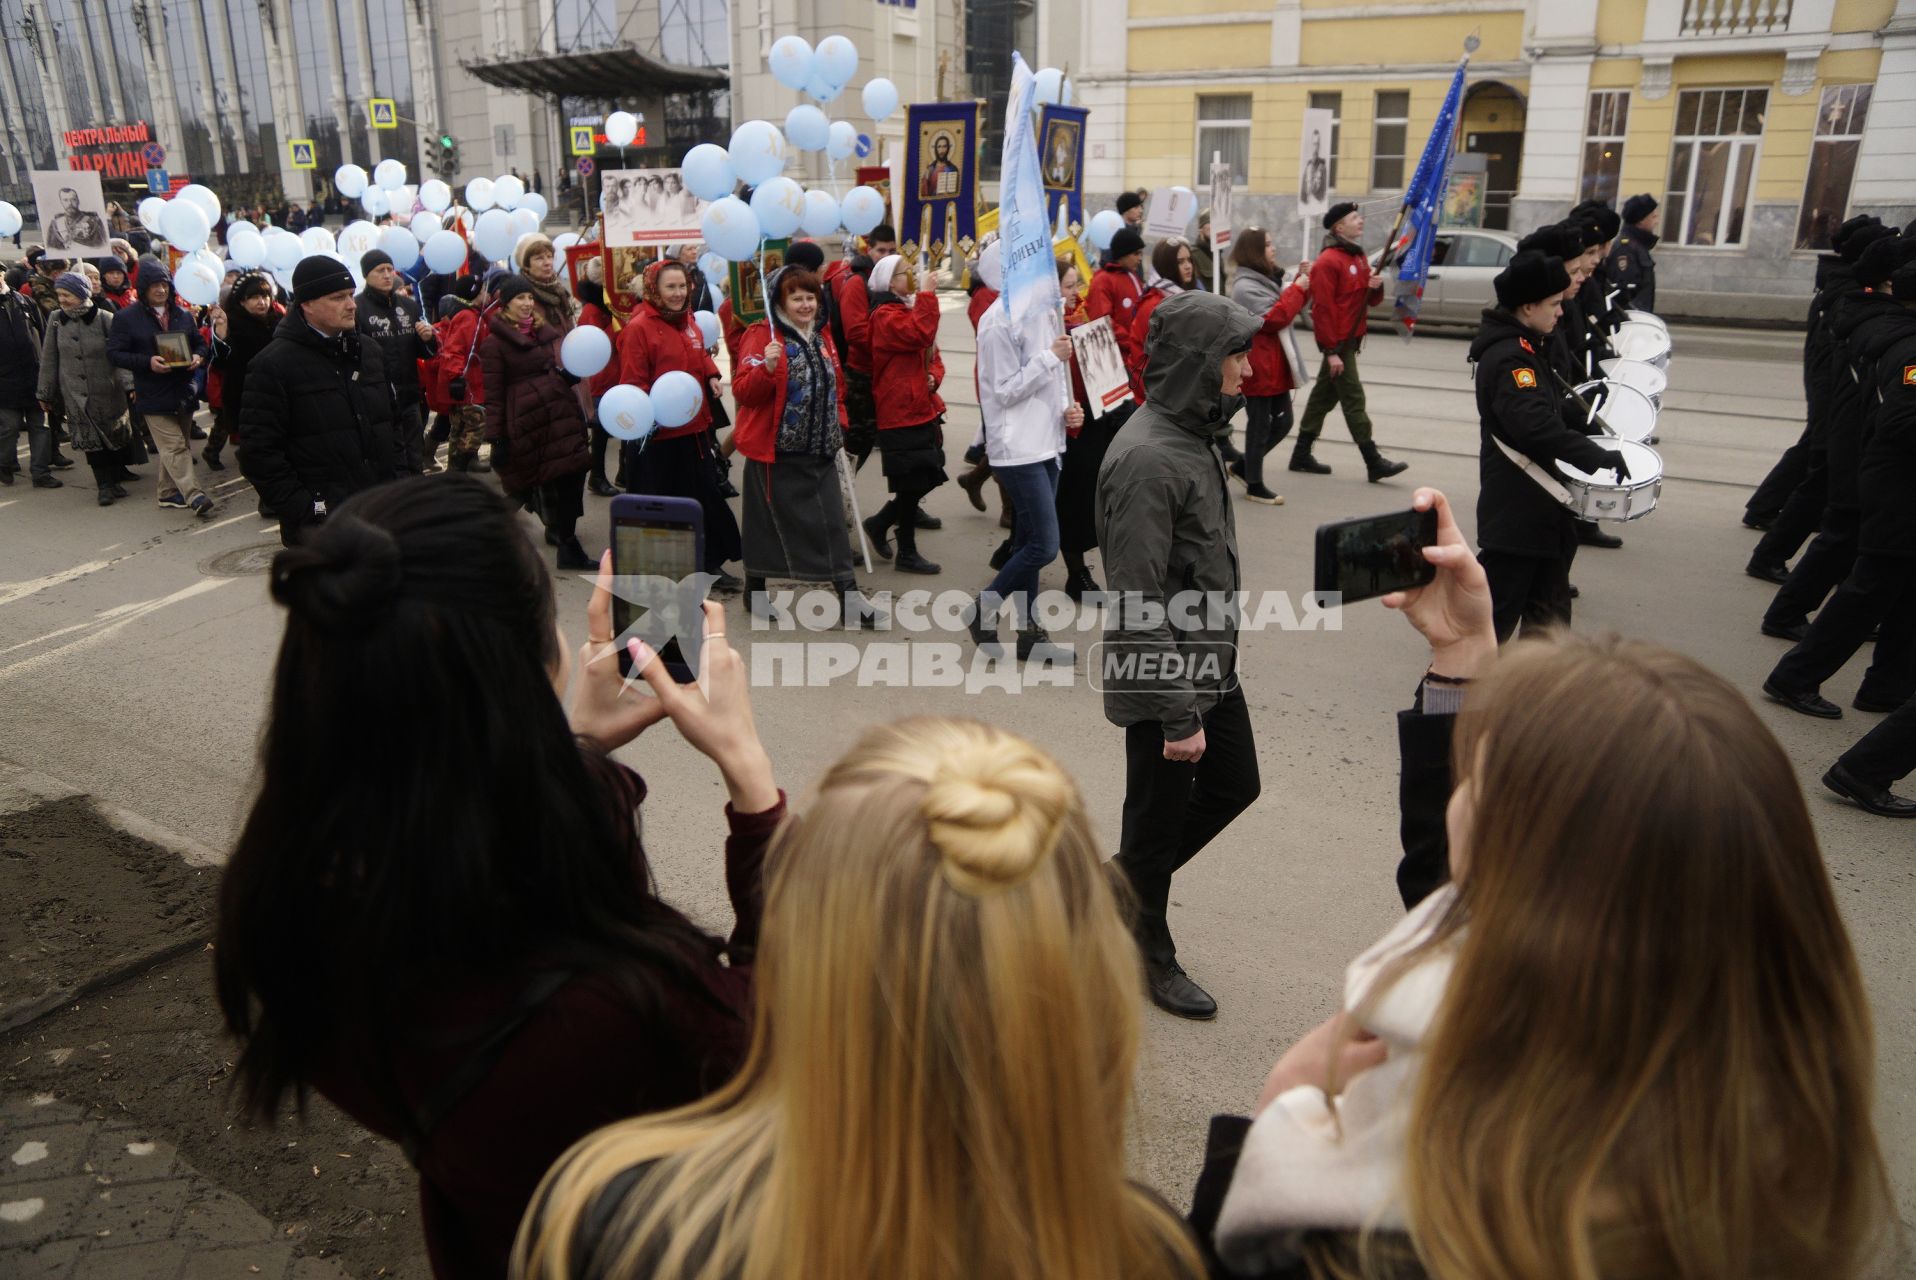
<point x="459" y="336"/>
<point x="1115" y="292"/>
<point x="1270" y="371"/>
<point x="853" y="301"/>
<point x="607" y="378"/>
<point x="904" y="351"/>
<point x="651" y="345"/>
<point x="730" y="330"/>
<point x="761" y="394"/>
<point x="1341" y="296"/>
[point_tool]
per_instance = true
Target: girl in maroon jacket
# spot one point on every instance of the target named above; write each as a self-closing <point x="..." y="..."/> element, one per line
<point x="540" y="446"/>
<point x="677" y="462"/>
<point x="1343" y="290"/>
<point x="906" y="372"/>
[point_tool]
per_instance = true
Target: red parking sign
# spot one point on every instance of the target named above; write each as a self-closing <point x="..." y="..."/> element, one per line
<point x="585" y="166"/>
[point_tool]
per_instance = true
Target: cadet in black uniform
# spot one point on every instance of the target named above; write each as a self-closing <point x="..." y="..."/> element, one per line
<point x="1632" y="269"/>
<point x="1881" y="587"/>
<point x="1527" y="538"/>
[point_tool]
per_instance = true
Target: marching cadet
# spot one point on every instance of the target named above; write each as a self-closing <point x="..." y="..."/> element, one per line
<point x="1631" y="267"/>
<point x="1527" y="538"/>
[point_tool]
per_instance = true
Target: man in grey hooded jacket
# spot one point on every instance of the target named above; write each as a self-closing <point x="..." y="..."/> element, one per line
<point x="1169" y="661"/>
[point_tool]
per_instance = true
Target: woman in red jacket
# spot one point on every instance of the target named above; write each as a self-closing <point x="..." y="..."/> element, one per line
<point x="1083" y="455"/>
<point x="1257" y="285"/>
<point x="593" y="311"/>
<point x="540" y="446"/>
<point x="677" y="462"/>
<point x="791" y="429"/>
<point x="906" y="371"/>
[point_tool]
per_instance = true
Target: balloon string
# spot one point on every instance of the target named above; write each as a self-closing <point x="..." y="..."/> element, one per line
<point x="764" y="290"/>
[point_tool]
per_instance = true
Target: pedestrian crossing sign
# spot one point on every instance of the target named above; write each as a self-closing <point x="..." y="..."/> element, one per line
<point x="305" y="155"/>
<point x="584" y="143"/>
<point x="384" y="113"/>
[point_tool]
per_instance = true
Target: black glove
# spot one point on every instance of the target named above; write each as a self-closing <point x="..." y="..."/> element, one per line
<point x="500" y="450"/>
<point x="1614" y="461"/>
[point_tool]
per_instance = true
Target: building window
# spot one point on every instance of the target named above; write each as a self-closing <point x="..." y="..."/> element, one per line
<point x="1224" y="127"/>
<point x="1387" y="150"/>
<point x="1603" y="133"/>
<point x="1713" y="164"/>
<point x="1839" y="132"/>
<point x="1333" y="103"/>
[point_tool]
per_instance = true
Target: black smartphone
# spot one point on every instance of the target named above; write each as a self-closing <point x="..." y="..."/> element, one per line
<point x="658" y="545"/>
<point x="1376" y="555"/>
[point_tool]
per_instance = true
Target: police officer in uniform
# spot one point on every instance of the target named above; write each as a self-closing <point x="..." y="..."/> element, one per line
<point x="1527" y="538"/>
<point x="1632" y="268"/>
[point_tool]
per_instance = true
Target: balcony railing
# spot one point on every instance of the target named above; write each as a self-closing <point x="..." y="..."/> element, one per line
<point x="1735" y="17"/>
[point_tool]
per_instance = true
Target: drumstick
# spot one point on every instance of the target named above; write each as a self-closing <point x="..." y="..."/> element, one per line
<point x="1589" y="410"/>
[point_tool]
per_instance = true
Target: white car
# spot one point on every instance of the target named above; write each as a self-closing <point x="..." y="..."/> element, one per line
<point x="1462" y="265"/>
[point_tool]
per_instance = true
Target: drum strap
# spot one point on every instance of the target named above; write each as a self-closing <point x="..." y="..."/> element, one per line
<point x="1549" y="483"/>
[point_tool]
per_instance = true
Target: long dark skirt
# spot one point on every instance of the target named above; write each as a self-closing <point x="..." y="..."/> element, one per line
<point x="683" y="467"/>
<point x="913" y="457"/>
<point x="795" y="520"/>
<point x="1078" y="480"/>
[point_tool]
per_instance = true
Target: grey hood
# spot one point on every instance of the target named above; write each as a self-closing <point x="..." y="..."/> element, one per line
<point x="1254" y="291"/>
<point x="1190" y="335"/>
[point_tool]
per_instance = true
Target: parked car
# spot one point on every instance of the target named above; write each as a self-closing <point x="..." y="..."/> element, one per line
<point x="1463" y="263"/>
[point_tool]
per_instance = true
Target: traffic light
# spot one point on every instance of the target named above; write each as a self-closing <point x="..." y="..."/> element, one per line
<point x="447" y="161"/>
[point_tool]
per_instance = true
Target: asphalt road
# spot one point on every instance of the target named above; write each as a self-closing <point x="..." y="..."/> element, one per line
<point x="135" y="651"/>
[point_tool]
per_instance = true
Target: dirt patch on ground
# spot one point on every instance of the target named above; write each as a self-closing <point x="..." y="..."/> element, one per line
<point x="83" y="899"/>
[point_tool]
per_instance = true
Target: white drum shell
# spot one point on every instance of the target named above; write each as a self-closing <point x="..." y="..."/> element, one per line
<point x="1627" y="412"/>
<point x="1646" y="317"/>
<point x="1647" y="343"/>
<point x="1647" y="378"/>
<point x="1604" y="496"/>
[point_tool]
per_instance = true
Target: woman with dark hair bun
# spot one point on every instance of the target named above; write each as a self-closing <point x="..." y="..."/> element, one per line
<point x="461" y="949"/>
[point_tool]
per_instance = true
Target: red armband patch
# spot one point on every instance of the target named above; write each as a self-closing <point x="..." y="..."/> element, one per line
<point x="1526" y="378"/>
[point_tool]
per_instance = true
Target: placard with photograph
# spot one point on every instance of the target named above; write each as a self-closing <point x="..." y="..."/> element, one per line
<point x="72" y="210"/>
<point x="1101" y="364"/>
<point x="649" y="207"/>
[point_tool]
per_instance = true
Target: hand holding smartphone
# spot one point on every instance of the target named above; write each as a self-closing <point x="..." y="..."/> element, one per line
<point x="1373" y="556"/>
<point x="657" y="543"/>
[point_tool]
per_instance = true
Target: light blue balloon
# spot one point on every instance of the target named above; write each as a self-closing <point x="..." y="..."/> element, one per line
<point x="707" y="171"/>
<point x="283" y="249"/>
<point x="731" y="229"/>
<point x="843" y="140"/>
<point x="823" y="90"/>
<point x="494" y="236"/>
<point x="821" y="214"/>
<point x="757" y="152"/>
<point x="400" y="245"/>
<point x="861" y="210"/>
<point x="881" y="98"/>
<point x="1103" y="226"/>
<point x="676" y="398"/>
<point x="585" y="351"/>
<point x="713" y="268"/>
<point x="779" y="205"/>
<point x="790" y="61"/>
<point x="184" y="225"/>
<point x="535" y="202"/>
<point x="708" y="324"/>
<point x="625" y="411"/>
<point x="807" y="128"/>
<point x="444" y="252"/>
<point x="1050" y="86"/>
<point x="10" y="220"/>
<point x="245" y="247"/>
<point x="835" y="61"/>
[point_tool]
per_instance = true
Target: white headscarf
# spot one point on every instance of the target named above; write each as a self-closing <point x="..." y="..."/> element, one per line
<point x="991" y="266"/>
<point x="882" y="273"/>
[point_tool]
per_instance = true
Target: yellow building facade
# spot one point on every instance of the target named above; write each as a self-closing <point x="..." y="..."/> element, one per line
<point x="1759" y="124"/>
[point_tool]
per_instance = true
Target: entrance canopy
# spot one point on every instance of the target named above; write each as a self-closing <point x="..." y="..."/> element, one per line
<point x="607" y="73"/>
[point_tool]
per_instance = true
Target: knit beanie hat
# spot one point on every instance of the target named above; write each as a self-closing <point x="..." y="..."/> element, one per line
<point x="1530" y="277"/>
<point x="319" y="276"/>
<point x="373" y="259"/>
<point x="74" y="283"/>
<point x="1126" y="242"/>
<point x="806" y="254"/>
<point x="533" y="243"/>
<point x="1128" y="201"/>
<point x="511" y="286"/>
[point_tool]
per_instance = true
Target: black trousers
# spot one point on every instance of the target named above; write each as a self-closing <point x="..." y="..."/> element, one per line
<point x="1879" y="590"/>
<point x="1777" y="486"/>
<point x="1887" y="753"/>
<point x="1267" y="420"/>
<point x="409" y="433"/>
<point x="1800" y="514"/>
<point x="1173" y="808"/>
<point x="1830" y="557"/>
<point x="1533" y="590"/>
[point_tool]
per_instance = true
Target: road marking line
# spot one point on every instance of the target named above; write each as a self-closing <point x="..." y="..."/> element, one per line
<point x="11" y="591"/>
<point x="9" y="502"/>
<point x="128" y="614"/>
<point x="221" y="524"/>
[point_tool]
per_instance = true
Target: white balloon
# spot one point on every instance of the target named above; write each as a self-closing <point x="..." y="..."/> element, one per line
<point x="790" y="61"/>
<point x="757" y="152"/>
<point x="621" y="127"/>
<point x="435" y="195"/>
<point x="1064" y="94"/>
<point x="818" y="87"/>
<point x="197" y="282"/>
<point x="563" y="241"/>
<point x="203" y="197"/>
<point x="351" y="181"/>
<point x="318" y="240"/>
<point x="707" y="172"/>
<point x="493" y="236"/>
<point x="479" y="195"/>
<point x="524" y="223"/>
<point x="283" y="249"/>
<point x="1050" y="87"/>
<point x="389" y="175"/>
<point x="708" y="324"/>
<point x="862" y="209"/>
<point x="425" y="225"/>
<point x="399" y="245"/>
<point x="356" y="238"/>
<point x="184" y="224"/>
<point x="835" y="61"/>
<point x="625" y="411"/>
<point x="779" y="205"/>
<point x="506" y="191"/>
<point x="150" y="210"/>
<point x="677" y="398"/>
<point x="246" y="246"/>
<point x="807" y="128"/>
<point x="535" y="202"/>
<point x="376" y="202"/>
<point x="731" y="229"/>
<point x="881" y="98"/>
<point x="585" y="351"/>
<point x="842" y="141"/>
<point x="444" y="252"/>
<point x="285" y="277"/>
<point x="1104" y="225"/>
<point x="821" y="214"/>
<point x="10" y="219"/>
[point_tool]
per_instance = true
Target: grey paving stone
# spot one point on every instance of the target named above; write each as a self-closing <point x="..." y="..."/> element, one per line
<point x="219" y="1217"/>
<point x="130" y="1155"/>
<point x="60" y="1202"/>
<point x="265" y="1261"/>
<point x="42" y="1153"/>
<point x="154" y="1260"/>
<point x="137" y="1213"/>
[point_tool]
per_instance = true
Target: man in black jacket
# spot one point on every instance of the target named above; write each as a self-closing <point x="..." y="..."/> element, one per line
<point x="318" y="414"/>
<point x="394" y="322"/>
<point x="1528" y="538"/>
<point x="1632" y="269"/>
<point x="20" y="335"/>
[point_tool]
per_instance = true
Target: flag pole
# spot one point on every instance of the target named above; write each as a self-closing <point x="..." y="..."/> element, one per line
<point x="1391" y="245"/>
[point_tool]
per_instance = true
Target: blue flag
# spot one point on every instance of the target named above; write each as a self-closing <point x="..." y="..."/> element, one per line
<point x="1031" y="294"/>
<point x="1424" y="207"/>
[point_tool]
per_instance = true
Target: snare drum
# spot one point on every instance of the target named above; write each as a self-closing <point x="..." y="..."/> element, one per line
<point x="1627" y="412"/>
<point x="1647" y="378"/>
<point x="1608" y="496"/>
<point x="1643" y="342"/>
<point x="1646" y="317"/>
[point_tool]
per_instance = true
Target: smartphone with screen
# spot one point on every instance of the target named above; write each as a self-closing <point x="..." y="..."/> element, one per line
<point x="1375" y="555"/>
<point x="657" y="543"/>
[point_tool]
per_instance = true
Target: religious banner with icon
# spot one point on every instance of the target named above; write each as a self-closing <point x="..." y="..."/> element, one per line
<point x="941" y="175"/>
<point x="878" y="178"/>
<point x="746" y="289"/>
<point x="1061" y="155"/>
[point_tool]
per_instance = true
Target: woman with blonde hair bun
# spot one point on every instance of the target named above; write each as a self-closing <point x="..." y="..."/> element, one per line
<point x="947" y="1019"/>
